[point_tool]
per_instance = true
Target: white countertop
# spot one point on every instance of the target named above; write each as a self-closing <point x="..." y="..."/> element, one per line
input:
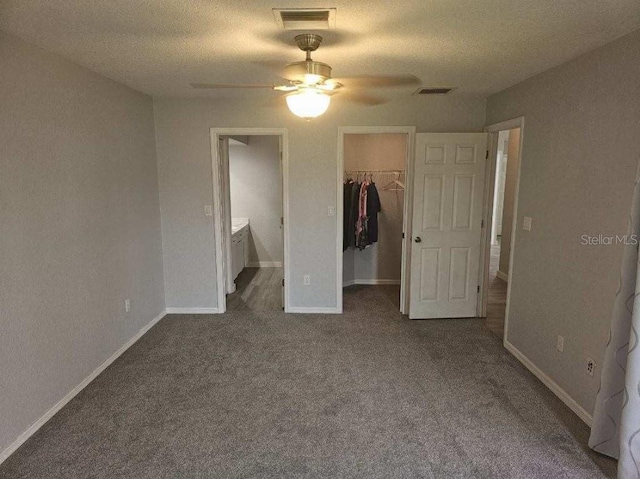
<point x="237" y="224"/>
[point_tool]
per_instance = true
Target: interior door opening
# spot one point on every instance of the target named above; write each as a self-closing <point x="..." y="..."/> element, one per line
<point x="255" y="205"/>
<point x="373" y="216"/>
<point x="249" y="219"/>
<point x="501" y="220"/>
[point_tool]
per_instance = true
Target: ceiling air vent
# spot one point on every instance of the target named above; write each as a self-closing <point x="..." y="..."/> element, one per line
<point x="433" y="91"/>
<point x="305" y="18"/>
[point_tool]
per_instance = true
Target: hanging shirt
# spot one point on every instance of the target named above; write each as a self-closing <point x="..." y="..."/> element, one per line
<point x="373" y="208"/>
<point x="361" y="225"/>
<point x="353" y="213"/>
<point x="346" y="208"/>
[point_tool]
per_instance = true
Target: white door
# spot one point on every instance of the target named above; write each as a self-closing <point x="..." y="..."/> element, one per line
<point x="448" y="193"/>
<point x="281" y="186"/>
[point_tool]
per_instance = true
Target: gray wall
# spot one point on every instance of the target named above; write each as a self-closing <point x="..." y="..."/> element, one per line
<point x="581" y="149"/>
<point x="256" y="193"/>
<point x="382" y="260"/>
<point x="184" y="162"/>
<point x="79" y="227"/>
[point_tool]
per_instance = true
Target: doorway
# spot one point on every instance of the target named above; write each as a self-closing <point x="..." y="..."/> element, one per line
<point x="372" y="213"/>
<point x="250" y="227"/>
<point x="500" y="217"/>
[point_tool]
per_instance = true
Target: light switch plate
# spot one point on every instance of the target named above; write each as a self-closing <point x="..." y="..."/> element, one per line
<point x="526" y="223"/>
<point x="207" y="210"/>
<point x="332" y="211"/>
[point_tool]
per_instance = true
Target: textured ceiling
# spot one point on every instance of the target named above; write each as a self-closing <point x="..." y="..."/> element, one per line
<point x="160" y="46"/>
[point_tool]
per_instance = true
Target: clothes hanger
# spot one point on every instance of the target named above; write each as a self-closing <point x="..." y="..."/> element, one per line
<point x="395" y="185"/>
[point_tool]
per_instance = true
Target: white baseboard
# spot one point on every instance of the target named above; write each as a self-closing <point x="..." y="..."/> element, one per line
<point x="85" y="382"/>
<point x="193" y="311"/>
<point x="550" y="383"/>
<point x="303" y="310"/>
<point x="370" y="282"/>
<point x="502" y="276"/>
<point x="264" y="264"/>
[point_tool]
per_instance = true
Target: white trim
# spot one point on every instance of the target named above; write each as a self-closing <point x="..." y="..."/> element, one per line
<point x="370" y="282"/>
<point x="71" y="394"/>
<point x="550" y="383"/>
<point x="407" y="224"/>
<point x="410" y="131"/>
<point x="502" y="276"/>
<point x="193" y="311"/>
<point x="218" y="215"/>
<point x="303" y="310"/>
<point x="264" y="264"/>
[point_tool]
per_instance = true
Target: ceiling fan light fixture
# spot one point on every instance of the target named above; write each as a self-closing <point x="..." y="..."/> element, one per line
<point x="308" y="72"/>
<point x="312" y="79"/>
<point x="308" y="103"/>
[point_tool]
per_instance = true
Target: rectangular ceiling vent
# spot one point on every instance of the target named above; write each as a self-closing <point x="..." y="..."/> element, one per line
<point x="433" y="91"/>
<point x="305" y="18"/>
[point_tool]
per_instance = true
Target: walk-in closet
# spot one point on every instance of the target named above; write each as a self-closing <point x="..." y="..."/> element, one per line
<point x="373" y="214"/>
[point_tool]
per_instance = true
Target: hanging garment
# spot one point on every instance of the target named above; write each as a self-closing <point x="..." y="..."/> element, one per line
<point x="361" y="225"/>
<point x="347" y="216"/>
<point x="373" y="208"/>
<point x="353" y="214"/>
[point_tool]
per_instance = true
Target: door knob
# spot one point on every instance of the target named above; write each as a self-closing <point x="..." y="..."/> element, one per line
<point x="418" y="239"/>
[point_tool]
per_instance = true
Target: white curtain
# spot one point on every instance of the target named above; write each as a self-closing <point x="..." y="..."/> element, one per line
<point x="616" y="419"/>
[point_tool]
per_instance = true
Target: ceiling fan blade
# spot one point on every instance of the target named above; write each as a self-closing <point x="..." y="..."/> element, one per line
<point x="285" y="88"/>
<point x="360" y="98"/>
<point x="329" y="86"/>
<point x="211" y="86"/>
<point x="377" y="81"/>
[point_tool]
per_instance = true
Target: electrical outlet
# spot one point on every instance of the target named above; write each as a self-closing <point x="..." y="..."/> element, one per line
<point x="331" y="211"/>
<point x="127" y="305"/>
<point x="306" y="280"/>
<point x="526" y="223"/>
<point x="591" y="366"/>
<point x="208" y="211"/>
<point x="560" y="344"/>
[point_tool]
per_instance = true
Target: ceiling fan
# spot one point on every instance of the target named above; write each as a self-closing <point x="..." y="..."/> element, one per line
<point x="309" y="85"/>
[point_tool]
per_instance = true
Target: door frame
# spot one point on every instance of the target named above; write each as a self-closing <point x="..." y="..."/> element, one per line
<point x="410" y="131"/>
<point x="222" y="236"/>
<point x="485" y="243"/>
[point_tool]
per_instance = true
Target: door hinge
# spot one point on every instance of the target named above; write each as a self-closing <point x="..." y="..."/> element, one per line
<point x="282" y="220"/>
<point x="403" y="235"/>
<point x="283" y="282"/>
<point x="481" y="223"/>
<point x="478" y="289"/>
<point x="486" y="156"/>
